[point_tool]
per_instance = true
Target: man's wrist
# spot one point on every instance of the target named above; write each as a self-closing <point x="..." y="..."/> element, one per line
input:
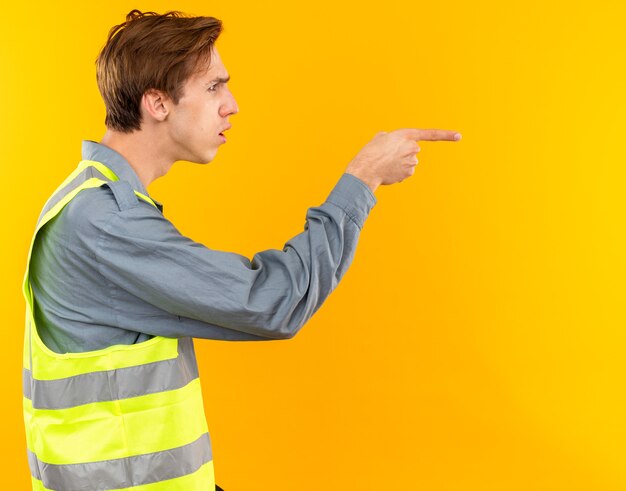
<point x="369" y="181"/>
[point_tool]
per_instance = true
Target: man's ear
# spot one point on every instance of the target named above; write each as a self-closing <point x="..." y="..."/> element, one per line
<point x="155" y="104"/>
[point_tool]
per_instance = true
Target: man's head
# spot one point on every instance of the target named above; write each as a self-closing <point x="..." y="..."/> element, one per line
<point x="157" y="74"/>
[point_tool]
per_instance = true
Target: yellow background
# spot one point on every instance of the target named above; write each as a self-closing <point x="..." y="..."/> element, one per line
<point x="477" y="341"/>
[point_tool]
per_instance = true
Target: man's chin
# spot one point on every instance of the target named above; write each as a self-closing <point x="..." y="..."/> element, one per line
<point x="206" y="159"/>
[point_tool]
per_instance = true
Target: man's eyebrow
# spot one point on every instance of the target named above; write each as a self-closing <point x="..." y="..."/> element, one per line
<point x="221" y="80"/>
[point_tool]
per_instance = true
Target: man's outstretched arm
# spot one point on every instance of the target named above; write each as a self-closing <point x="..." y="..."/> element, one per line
<point x="272" y="296"/>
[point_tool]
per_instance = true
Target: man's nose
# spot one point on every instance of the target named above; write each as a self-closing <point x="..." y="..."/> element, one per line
<point x="231" y="106"/>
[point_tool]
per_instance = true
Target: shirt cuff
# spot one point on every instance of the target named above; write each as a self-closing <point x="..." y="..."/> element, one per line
<point x="353" y="196"/>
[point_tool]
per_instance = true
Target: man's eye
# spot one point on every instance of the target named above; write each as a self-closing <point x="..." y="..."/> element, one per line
<point x="211" y="89"/>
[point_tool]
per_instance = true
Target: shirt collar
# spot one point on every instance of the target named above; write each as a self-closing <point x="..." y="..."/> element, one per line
<point x="98" y="152"/>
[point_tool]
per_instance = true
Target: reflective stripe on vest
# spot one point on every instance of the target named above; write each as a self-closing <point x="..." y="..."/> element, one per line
<point x="127" y="417"/>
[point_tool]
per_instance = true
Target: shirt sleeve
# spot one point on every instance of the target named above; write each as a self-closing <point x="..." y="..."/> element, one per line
<point x="271" y="297"/>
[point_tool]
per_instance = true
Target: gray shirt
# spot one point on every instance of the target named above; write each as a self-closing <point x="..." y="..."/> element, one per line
<point x="103" y="274"/>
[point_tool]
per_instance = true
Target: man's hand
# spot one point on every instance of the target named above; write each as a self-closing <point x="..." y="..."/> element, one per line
<point x="391" y="157"/>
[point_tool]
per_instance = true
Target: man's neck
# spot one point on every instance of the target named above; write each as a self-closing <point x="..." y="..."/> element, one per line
<point x="142" y="153"/>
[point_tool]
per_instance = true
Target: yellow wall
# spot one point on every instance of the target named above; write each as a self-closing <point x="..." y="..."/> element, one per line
<point x="477" y="341"/>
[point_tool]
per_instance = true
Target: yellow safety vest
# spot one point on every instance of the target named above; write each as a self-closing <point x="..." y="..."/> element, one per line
<point x="127" y="417"/>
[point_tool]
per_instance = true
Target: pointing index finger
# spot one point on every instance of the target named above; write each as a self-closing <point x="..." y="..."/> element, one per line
<point x="434" y="135"/>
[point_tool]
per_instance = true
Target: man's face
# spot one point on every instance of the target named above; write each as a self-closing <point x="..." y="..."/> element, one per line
<point x="195" y="123"/>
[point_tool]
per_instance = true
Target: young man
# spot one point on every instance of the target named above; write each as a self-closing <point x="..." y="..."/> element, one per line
<point x="115" y="293"/>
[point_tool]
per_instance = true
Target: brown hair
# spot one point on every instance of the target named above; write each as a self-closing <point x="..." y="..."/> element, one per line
<point x="151" y="51"/>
